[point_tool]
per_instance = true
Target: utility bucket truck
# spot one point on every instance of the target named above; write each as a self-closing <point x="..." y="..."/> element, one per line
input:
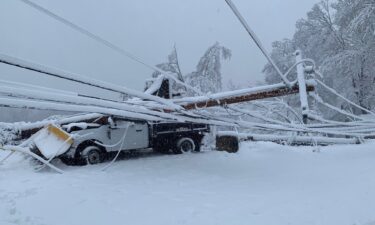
<point x="91" y="143"/>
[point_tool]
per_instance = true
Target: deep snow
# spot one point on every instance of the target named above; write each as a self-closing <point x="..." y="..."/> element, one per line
<point x="264" y="183"/>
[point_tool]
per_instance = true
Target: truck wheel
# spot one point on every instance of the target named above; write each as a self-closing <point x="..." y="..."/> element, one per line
<point x="93" y="155"/>
<point x="184" y="145"/>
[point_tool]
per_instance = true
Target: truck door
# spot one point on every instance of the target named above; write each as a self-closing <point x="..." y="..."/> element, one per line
<point x="137" y="135"/>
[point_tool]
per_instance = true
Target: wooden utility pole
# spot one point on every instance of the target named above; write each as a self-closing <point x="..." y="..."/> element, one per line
<point x="302" y="87"/>
<point x="278" y="92"/>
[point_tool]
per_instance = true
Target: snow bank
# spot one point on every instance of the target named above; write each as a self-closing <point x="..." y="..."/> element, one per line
<point x="7" y="133"/>
<point x="263" y="184"/>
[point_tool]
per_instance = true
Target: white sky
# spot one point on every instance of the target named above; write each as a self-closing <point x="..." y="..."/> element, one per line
<point x="149" y="29"/>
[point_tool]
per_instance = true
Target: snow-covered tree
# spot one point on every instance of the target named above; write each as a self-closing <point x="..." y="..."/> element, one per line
<point x="207" y="77"/>
<point x="356" y="20"/>
<point x="340" y="37"/>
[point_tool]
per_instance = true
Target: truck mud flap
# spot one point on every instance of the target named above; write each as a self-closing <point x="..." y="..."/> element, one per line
<point x="227" y="143"/>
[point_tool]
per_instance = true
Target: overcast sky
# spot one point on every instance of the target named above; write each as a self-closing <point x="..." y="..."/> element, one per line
<point x="147" y="28"/>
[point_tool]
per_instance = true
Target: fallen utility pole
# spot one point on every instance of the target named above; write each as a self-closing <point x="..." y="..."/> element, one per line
<point x="246" y="97"/>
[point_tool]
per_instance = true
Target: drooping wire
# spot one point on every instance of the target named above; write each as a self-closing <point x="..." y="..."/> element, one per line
<point x="120" y="149"/>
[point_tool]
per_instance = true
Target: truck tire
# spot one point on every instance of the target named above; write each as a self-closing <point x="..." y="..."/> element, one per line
<point x="184" y="145"/>
<point x="93" y="155"/>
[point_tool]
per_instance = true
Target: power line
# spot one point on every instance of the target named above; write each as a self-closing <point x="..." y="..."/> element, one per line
<point x="90" y="35"/>
<point x="257" y="41"/>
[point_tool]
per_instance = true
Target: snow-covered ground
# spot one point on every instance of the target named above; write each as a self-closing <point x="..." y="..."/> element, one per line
<point x="264" y="183"/>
